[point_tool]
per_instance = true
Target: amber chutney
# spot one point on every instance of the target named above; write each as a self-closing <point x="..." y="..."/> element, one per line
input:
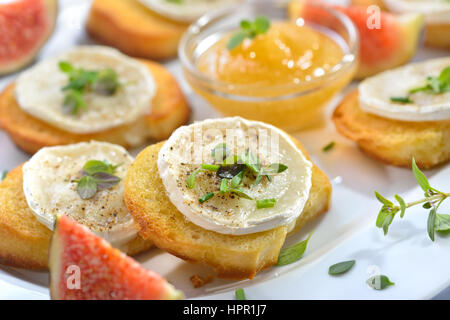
<point x="284" y="77"/>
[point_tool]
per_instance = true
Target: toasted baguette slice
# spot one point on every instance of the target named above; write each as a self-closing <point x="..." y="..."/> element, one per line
<point x="437" y="36"/>
<point x="366" y="3"/>
<point x="134" y="29"/>
<point x="233" y="257"/>
<point x="24" y="241"/>
<point x="391" y="141"/>
<point x="169" y="110"/>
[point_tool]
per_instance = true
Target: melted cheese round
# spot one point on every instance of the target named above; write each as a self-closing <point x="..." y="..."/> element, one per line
<point x="185" y="10"/>
<point x="49" y="190"/>
<point x="435" y="11"/>
<point x="375" y="93"/>
<point x="38" y="91"/>
<point x="190" y="146"/>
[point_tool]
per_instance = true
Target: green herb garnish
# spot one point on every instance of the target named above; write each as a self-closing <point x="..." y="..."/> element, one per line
<point x="95" y="166"/>
<point x="96" y="176"/>
<point x="237" y="179"/>
<point x="240" y="193"/>
<point x="341" y="267"/>
<point x="432" y="200"/>
<point x="249" y="29"/>
<point x="220" y="152"/>
<point x="210" y="167"/>
<point x="329" y="146"/>
<point x="401" y="99"/>
<point x="433" y="85"/>
<point x="4" y="174"/>
<point x="240" y="294"/>
<point x="251" y="161"/>
<point x="379" y="282"/>
<point x="266" y="203"/>
<point x="232" y="170"/>
<point x="104" y="82"/>
<point x="206" y="197"/>
<point x="442" y="223"/>
<point x="293" y="253"/>
<point x="223" y="186"/>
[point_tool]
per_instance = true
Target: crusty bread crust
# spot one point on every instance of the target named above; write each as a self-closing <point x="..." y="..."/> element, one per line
<point x="391" y="141"/>
<point x="233" y="257"/>
<point x="437" y="36"/>
<point x="169" y="110"/>
<point x="134" y="29"/>
<point x="365" y="3"/>
<point x="24" y="241"/>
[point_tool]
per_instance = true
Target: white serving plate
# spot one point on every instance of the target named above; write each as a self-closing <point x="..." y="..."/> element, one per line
<point x="418" y="266"/>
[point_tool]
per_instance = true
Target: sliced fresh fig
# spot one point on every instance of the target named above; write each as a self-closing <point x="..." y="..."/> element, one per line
<point x="391" y="43"/>
<point x="25" y="26"/>
<point x="386" y="40"/>
<point x="84" y="266"/>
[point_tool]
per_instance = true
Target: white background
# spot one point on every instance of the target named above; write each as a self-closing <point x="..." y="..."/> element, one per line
<point x="419" y="267"/>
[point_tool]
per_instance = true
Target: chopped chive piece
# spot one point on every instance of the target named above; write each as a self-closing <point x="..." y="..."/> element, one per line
<point x="266" y="203"/>
<point x="191" y="179"/>
<point x="329" y="146"/>
<point x="401" y="99"/>
<point x="240" y="294"/>
<point x="224" y="186"/>
<point x="210" y="167"/>
<point x="206" y="197"/>
<point x="4" y="174"/>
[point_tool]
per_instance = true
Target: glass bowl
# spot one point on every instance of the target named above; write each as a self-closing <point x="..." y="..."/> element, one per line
<point x="290" y="106"/>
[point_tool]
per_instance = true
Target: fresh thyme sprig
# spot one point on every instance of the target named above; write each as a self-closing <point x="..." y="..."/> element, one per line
<point x="96" y="176"/>
<point x="104" y="82"/>
<point x="433" y="198"/>
<point x="249" y="29"/>
<point x="433" y="85"/>
<point x="232" y="170"/>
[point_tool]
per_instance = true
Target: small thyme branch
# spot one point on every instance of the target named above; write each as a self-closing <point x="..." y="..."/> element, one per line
<point x="432" y="200"/>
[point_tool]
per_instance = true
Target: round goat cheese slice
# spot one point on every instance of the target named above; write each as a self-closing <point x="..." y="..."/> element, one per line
<point x="435" y="11"/>
<point x="39" y="91"/>
<point x="185" y="10"/>
<point x="50" y="189"/>
<point x="376" y="93"/>
<point x="230" y="213"/>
